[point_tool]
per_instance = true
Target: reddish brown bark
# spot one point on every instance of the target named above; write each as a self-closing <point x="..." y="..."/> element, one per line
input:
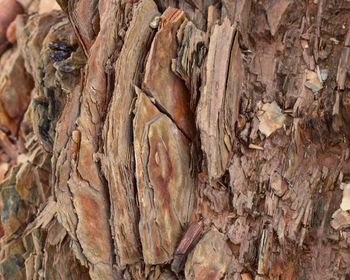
<point x="174" y="139"/>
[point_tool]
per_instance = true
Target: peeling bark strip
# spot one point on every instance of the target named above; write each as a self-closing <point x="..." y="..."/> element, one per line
<point x="118" y="161"/>
<point x="217" y="109"/>
<point x="164" y="181"/>
<point x="160" y="82"/>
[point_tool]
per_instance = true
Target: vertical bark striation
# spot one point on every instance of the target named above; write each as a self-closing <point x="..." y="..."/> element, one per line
<point x="118" y="160"/>
<point x="174" y="140"/>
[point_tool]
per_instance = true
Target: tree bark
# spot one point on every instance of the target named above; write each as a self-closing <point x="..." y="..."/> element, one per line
<point x="152" y="139"/>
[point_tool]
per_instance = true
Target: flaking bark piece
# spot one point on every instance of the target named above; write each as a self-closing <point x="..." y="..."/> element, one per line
<point x="164" y="181"/>
<point x="44" y="217"/>
<point x="210" y="259"/>
<point x="159" y="81"/>
<point x="271" y="118"/>
<point x="218" y="105"/>
<point x="189" y="240"/>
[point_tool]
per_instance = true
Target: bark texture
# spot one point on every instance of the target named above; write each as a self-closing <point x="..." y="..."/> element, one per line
<point x="160" y="140"/>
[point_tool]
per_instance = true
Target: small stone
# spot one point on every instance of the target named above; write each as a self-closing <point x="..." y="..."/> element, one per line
<point x="324" y="74"/>
<point x="155" y="22"/>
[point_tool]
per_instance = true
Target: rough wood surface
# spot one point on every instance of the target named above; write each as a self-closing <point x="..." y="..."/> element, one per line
<point x="168" y="140"/>
<point x="214" y="112"/>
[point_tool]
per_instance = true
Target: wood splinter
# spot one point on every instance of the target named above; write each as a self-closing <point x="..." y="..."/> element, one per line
<point x="191" y="237"/>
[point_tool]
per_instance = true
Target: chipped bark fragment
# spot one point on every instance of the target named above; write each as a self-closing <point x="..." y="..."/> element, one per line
<point x="210" y="258"/>
<point x="61" y="161"/>
<point x="45" y="216"/>
<point x="218" y="105"/>
<point x="189" y="240"/>
<point x="271" y="118"/>
<point x="255" y="147"/>
<point x="340" y="220"/>
<point x="264" y="249"/>
<point x="76" y="138"/>
<point x="160" y="82"/>
<point x="164" y="181"/>
<point x="190" y="58"/>
<point x="314" y="81"/>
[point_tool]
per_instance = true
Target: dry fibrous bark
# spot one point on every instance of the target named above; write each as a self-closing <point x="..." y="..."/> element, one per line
<point x="118" y="160"/>
<point x="174" y="139"/>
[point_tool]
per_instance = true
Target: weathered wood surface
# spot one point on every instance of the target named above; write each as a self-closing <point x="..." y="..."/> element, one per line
<point x="174" y="139"/>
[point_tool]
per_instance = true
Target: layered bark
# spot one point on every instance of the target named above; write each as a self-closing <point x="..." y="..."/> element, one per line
<point x="175" y="140"/>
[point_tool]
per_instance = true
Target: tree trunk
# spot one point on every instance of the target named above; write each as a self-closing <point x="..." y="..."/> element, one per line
<point x="160" y="139"/>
